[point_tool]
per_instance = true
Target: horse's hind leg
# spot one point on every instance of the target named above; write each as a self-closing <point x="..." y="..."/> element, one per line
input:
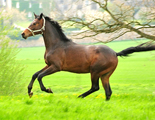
<point x="94" y="87"/>
<point x="106" y="85"/>
<point x="33" y="79"/>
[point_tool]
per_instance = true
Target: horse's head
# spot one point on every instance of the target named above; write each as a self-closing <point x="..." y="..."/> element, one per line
<point x="36" y="27"/>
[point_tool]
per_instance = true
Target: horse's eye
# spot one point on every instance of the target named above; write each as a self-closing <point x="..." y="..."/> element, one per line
<point x="34" y="23"/>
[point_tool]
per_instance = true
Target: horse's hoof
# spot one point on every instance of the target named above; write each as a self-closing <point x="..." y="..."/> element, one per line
<point x="49" y="90"/>
<point x="30" y="94"/>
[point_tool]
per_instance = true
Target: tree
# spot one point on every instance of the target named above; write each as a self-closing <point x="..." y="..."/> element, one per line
<point x="117" y="18"/>
<point x="15" y="15"/>
<point x="10" y="71"/>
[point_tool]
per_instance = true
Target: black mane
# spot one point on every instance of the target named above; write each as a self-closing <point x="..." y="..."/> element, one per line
<point x="58" y="27"/>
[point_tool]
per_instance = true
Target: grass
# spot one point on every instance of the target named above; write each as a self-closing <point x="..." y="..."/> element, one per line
<point x="68" y="107"/>
<point x="132" y="83"/>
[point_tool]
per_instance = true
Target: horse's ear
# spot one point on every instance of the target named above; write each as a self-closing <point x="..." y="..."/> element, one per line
<point x="41" y="15"/>
<point x="35" y="15"/>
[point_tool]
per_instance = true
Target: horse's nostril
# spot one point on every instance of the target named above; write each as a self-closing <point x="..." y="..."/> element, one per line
<point x="23" y="34"/>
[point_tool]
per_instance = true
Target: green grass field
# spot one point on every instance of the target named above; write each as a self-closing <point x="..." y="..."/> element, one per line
<point x="132" y="83"/>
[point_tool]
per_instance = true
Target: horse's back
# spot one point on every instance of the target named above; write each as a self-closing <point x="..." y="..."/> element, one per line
<point x="103" y="49"/>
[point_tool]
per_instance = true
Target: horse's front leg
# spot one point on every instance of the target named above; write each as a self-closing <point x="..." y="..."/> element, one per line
<point x="51" y="69"/>
<point x="32" y="81"/>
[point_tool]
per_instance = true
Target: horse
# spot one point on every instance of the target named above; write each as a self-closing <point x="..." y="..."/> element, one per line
<point x="62" y="54"/>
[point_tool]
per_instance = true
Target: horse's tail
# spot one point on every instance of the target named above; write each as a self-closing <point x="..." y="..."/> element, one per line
<point x="147" y="46"/>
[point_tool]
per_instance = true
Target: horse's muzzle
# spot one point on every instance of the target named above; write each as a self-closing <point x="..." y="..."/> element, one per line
<point x="23" y="35"/>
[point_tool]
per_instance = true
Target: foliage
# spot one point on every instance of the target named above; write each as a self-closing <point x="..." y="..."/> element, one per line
<point x="16" y="15"/>
<point x="10" y="70"/>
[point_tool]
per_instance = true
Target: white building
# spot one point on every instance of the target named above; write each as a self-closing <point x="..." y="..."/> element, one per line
<point x="6" y="4"/>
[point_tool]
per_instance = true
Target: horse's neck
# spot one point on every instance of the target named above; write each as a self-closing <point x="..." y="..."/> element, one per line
<point x="50" y="36"/>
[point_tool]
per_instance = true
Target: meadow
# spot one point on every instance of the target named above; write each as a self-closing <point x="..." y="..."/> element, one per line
<point x="132" y="83"/>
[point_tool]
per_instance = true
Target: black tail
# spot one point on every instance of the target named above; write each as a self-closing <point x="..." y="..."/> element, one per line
<point x="148" y="46"/>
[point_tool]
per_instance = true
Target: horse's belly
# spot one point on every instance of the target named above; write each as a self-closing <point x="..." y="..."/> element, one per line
<point x="77" y="59"/>
<point x="76" y="67"/>
<point x="77" y="70"/>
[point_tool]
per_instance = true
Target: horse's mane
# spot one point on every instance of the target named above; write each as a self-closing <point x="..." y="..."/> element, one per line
<point x="59" y="28"/>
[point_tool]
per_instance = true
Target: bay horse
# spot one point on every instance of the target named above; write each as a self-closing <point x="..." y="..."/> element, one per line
<point x="62" y="54"/>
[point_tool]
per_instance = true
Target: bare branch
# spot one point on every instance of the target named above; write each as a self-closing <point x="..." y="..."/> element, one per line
<point x="117" y="21"/>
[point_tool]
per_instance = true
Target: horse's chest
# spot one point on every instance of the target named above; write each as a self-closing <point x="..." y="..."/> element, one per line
<point x="52" y="57"/>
